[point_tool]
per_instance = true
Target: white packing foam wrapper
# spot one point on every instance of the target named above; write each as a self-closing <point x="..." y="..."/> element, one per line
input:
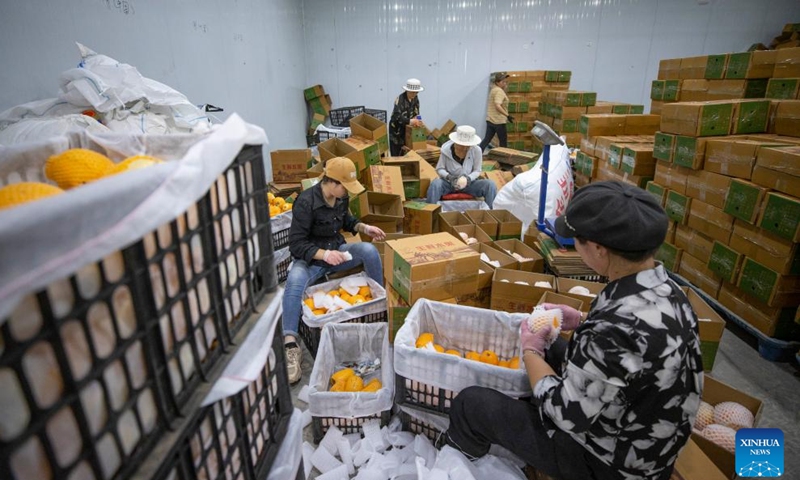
<point x="338" y="473"/>
<point x="401" y="439"/>
<point x="520" y="282"/>
<point x="306" y="418"/>
<point x="329" y="441"/>
<point x="321" y="300"/>
<point x="354" y="439"/>
<point x="341" y="303"/>
<point x="303" y="394"/>
<point x="308" y="452"/>
<point x="363" y="454"/>
<point x="543" y="284"/>
<point x="372" y="474"/>
<point x="375" y="461"/>
<point x="425" y="449"/>
<point x="372" y="432"/>
<point x="324" y="461"/>
<point x="346" y="454"/>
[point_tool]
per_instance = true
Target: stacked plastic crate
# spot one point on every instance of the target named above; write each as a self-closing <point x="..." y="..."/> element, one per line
<point x="104" y="367"/>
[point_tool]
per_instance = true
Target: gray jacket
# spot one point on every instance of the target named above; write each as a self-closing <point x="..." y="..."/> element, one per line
<point x="448" y="166"/>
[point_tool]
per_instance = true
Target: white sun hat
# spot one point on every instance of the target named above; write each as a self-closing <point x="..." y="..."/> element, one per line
<point x="413" y="85"/>
<point x="465" y="135"/>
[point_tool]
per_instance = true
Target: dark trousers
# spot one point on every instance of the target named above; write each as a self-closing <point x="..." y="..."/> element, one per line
<point x="491" y="130"/>
<point x="481" y="416"/>
<point x="396" y="148"/>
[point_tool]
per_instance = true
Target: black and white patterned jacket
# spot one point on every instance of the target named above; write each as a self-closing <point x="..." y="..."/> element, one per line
<point x="632" y="379"/>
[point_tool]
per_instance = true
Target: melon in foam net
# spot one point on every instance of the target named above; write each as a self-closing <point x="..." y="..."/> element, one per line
<point x="705" y="416"/>
<point x="734" y="415"/>
<point x="541" y="318"/>
<point x="723" y="436"/>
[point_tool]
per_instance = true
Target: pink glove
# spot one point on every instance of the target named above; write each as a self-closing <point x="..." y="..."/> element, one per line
<point x="572" y="317"/>
<point x="536" y="341"/>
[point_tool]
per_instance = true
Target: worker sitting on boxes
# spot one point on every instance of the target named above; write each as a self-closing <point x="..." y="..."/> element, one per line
<point x="459" y="168"/>
<point x="405" y="112"/>
<point x="318" y="247"/>
<point x="619" y="401"/>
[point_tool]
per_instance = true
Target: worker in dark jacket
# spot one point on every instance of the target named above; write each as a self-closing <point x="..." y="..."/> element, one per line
<point x="405" y="112"/>
<point x="318" y="247"/>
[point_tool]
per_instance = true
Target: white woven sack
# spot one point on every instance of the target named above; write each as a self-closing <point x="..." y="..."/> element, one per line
<point x="346" y="342"/>
<point x="376" y="305"/>
<point x="464" y="329"/>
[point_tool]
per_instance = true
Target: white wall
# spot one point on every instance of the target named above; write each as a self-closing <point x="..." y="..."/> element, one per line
<point x="363" y="50"/>
<point x="245" y="56"/>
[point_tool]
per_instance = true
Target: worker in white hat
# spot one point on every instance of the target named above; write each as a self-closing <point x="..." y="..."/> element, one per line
<point x="459" y="168"/>
<point x="405" y="112"/>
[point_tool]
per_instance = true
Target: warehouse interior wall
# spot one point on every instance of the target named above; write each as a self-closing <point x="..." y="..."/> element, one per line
<point x="362" y="51"/>
<point x="254" y="57"/>
<point x="245" y="56"/>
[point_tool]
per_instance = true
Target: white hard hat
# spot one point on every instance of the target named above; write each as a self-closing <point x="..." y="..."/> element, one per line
<point x="413" y="85"/>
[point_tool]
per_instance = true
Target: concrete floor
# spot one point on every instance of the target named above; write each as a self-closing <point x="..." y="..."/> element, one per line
<point x="737" y="364"/>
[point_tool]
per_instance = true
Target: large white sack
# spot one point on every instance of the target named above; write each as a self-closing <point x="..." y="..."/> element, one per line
<point x="520" y="196"/>
<point x="32" y="130"/>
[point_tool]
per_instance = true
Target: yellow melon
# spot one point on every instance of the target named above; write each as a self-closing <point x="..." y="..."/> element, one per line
<point x="24" y="192"/>
<point x="76" y="166"/>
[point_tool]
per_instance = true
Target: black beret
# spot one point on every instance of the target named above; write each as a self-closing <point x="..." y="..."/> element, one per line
<point x="616" y="215"/>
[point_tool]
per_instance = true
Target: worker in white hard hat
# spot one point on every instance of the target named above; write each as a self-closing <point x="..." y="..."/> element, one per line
<point x="405" y="112"/>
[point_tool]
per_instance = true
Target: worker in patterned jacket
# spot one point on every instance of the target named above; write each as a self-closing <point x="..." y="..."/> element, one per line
<point x="405" y="112"/>
<point x="619" y="401"/>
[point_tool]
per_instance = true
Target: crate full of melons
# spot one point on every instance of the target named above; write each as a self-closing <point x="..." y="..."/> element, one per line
<point x="354" y="299"/>
<point x="443" y="348"/>
<point x="353" y="379"/>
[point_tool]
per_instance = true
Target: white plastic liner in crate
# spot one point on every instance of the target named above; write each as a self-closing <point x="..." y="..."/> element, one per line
<point x="280" y="223"/>
<point x="287" y="462"/>
<point x="462" y="328"/>
<point x="376" y="305"/>
<point x="341" y="342"/>
<point x="39" y="243"/>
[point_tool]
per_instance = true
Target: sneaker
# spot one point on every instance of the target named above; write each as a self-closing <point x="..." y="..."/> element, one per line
<point x="294" y="359"/>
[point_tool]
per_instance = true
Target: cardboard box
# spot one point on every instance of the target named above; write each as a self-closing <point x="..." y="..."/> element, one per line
<point x="467" y="232"/>
<point x="689" y="152"/>
<point x="670" y="256"/>
<point x="786" y="117"/>
<point x="641" y="124"/>
<point x="783" y="88"/>
<point x="484" y="220"/>
<point x="762" y="64"/>
<point x="693" y="242"/>
<point x="669" y="68"/>
<point x="384" y="179"/>
<point x="372" y="207"/>
<point x="699" y="275"/>
<point x="336" y="147"/>
<point x="397" y="310"/>
<point x="416" y="137"/>
<point x="725" y="261"/>
<point x="750" y="116"/>
<point x="787" y="63"/>
<point x="672" y="91"/>
<point x="503" y="259"/>
<point x="677" y="207"/>
<point x="436" y="267"/>
<point x="498" y="177"/>
<point x="371" y="128"/>
<point x="672" y="177"/>
<point x="693" y="67"/>
<point x="658" y="191"/>
<point x="508" y="226"/>
<point x="711" y="327"/>
<point x="289" y="166"/>
<point x="368" y="149"/>
<point x="734" y="157"/>
<point x="410" y="172"/>
<point x="781" y="216"/>
<point x="708" y="187"/>
<point x="744" y="199"/>
<point x="594" y="125"/>
<point x="698" y="119"/>
<point x="509" y="296"/>
<point x="716" y="65"/>
<point x="710" y="221"/>
<point x="664" y="146"/>
<point x="420" y="218"/>
<point x="637" y="159"/>
<point x="771" y="321"/>
<point x="321" y="105"/>
<point x="564" y="285"/>
<point x="448" y="220"/>
<point x="559" y="299"/>
<point x="772" y="251"/>
<point x="311" y="93"/>
<point x="693" y="464"/>
<point x="769" y="286"/>
<point x="529" y="259"/>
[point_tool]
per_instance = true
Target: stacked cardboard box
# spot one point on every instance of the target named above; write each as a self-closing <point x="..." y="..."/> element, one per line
<point x="562" y="110"/>
<point x="525" y="90"/>
<point x="773" y="74"/>
<point x="731" y="192"/>
<point x="320" y="105"/>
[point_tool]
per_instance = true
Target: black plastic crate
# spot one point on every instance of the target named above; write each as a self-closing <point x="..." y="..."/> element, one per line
<point x="267" y="408"/>
<point x="379" y="114"/>
<point x="243" y="237"/>
<point x="320" y="425"/>
<point x="340" y="117"/>
<point x="422" y="395"/>
<point x="283" y="269"/>
<point x="586" y="278"/>
<point x="312" y="140"/>
<point x="280" y="239"/>
<point x="323" y="135"/>
<point x="212" y="447"/>
<point x="417" y="426"/>
<point x="77" y="368"/>
<point x="311" y="335"/>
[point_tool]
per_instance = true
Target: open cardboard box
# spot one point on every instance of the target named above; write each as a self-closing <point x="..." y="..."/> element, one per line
<point x="505" y="260"/>
<point x="471" y="231"/>
<point x="484" y="220"/>
<point x="534" y="262"/>
<point x="509" y="296"/>
<point x="563" y="286"/>
<point x="711" y="326"/>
